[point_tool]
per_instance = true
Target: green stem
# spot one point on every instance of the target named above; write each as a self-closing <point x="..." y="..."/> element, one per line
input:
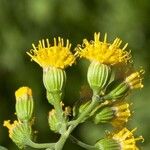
<point x="76" y="141"/>
<point x="3" y="148"/>
<point x="59" y="111"/>
<point x="95" y="101"/>
<point x="40" y="145"/>
<point x="59" y="145"/>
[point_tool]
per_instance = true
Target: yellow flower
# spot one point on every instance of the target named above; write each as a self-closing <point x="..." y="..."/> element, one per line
<point x="122" y="113"/>
<point x="24" y="104"/>
<point x="58" y="55"/>
<point x="103" y="52"/>
<point x="135" y="80"/>
<point x="126" y="139"/>
<point x="23" y="91"/>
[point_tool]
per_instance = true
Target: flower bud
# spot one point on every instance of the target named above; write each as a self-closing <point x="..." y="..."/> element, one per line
<point x="53" y="121"/>
<point x="54" y="79"/>
<point x="104" y="116"/>
<point x="83" y="107"/>
<point x="98" y="76"/>
<point x="19" y="132"/>
<point x="117" y="114"/>
<point x="107" y="144"/>
<point x="119" y="89"/>
<point x="116" y="90"/>
<point x="24" y="104"/>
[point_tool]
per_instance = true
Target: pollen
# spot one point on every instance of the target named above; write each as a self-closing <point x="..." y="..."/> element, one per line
<point x="23" y="91"/>
<point x="103" y="52"/>
<point x="57" y="55"/>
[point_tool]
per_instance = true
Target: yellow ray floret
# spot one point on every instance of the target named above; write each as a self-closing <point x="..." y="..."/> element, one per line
<point x="126" y="139"/>
<point x="10" y="126"/>
<point x="104" y="52"/>
<point x="122" y="113"/>
<point x="57" y="55"/>
<point x="22" y="91"/>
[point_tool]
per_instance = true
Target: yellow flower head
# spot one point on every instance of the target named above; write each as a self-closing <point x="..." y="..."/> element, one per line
<point x="11" y="127"/>
<point x="57" y="55"/>
<point x="23" y="91"/>
<point x="103" y="52"/>
<point x="122" y="113"/>
<point x="126" y="139"/>
<point x="135" y="80"/>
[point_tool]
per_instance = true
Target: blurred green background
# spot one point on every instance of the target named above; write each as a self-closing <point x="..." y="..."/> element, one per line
<point x="23" y="22"/>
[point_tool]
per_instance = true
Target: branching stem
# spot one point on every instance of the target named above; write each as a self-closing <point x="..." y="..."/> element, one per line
<point x="95" y="101"/>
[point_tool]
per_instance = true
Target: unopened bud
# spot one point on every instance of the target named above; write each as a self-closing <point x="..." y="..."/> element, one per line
<point x="104" y="116"/>
<point x="116" y="90"/>
<point x="107" y="144"/>
<point x="24" y="104"/>
<point x="53" y="121"/>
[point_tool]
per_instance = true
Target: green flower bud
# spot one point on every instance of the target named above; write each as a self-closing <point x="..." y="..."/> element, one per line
<point x="98" y="76"/>
<point x="104" y="116"/>
<point x="116" y="90"/>
<point x="107" y="144"/>
<point x="83" y="107"/>
<point x="53" y="121"/>
<point x="116" y="114"/>
<point x="54" y="79"/>
<point x="19" y="132"/>
<point x="24" y="104"/>
<point x="119" y="89"/>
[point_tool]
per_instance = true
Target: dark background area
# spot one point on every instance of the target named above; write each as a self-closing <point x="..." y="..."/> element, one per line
<point x="23" y="22"/>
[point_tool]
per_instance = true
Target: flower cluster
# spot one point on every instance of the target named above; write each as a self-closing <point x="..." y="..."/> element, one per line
<point x="107" y="104"/>
<point x="103" y="56"/>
